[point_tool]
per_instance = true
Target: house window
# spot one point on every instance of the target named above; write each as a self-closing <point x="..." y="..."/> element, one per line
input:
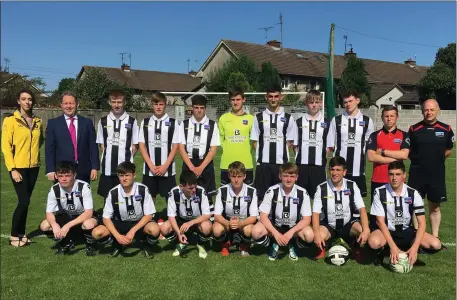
<point x="285" y="83"/>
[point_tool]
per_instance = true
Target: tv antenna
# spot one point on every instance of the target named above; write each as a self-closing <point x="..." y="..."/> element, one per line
<point x="280" y="26"/>
<point x="266" y="31"/>
<point x="7" y="65"/>
<point x="122" y="55"/>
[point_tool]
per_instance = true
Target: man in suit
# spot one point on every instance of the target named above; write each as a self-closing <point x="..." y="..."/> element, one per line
<point x="71" y="137"/>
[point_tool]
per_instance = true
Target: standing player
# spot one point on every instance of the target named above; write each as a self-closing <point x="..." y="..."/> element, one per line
<point x="311" y="144"/>
<point x="188" y="212"/>
<point x="273" y="134"/>
<point x="347" y="137"/>
<point x="431" y="143"/>
<point x="236" y="211"/>
<point x="337" y="204"/>
<point x="128" y="213"/>
<point x="393" y="206"/>
<point x="383" y="147"/>
<point x="69" y="209"/>
<point x="117" y="135"/>
<point x="285" y="213"/>
<point x="158" y="146"/>
<point x="235" y="128"/>
<point x="198" y="142"/>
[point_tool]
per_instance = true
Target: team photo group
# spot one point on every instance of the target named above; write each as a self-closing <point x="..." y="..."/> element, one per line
<point x="266" y="201"/>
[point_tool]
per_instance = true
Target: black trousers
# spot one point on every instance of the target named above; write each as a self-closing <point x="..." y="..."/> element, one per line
<point x="24" y="191"/>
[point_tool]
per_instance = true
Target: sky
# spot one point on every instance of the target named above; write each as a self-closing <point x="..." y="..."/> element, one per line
<point x="53" y="40"/>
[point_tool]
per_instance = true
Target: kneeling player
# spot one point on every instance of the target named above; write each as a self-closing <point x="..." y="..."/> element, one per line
<point x="393" y="205"/>
<point x="188" y="212"/>
<point x="128" y="213"/>
<point x="288" y="206"/>
<point x="339" y="211"/>
<point x="69" y="205"/>
<point x="236" y="211"/>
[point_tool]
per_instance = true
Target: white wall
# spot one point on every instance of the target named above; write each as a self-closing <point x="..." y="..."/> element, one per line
<point x="389" y="98"/>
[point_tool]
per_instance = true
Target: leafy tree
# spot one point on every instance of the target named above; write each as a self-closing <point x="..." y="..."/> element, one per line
<point x="268" y="76"/>
<point x="439" y="81"/>
<point x="11" y="84"/>
<point x="92" y="89"/>
<point x="354" y="78"/>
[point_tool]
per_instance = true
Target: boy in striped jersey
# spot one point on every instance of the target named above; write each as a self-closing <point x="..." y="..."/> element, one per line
<point x="117" y="135"/>
<point x="235" y="211"/>
<point x="285" y="215"/>
<point x="158" y="146"/>
<point x="311" y="144"/>
<point x="198" y="142"/>
<point x="273" y="133"/>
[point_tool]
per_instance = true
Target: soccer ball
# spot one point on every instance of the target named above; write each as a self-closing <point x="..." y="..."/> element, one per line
<point x="338" y="255"/>
<point x="403" y="265"/>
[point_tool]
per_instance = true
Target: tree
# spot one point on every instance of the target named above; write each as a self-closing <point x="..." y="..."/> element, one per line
<point x="439" y="81"/>
<point x="65" y="84"/>
<point x="92" y="89"/>
<point x="11" y="84"/>
<point x="354" y="78"/>
<point x="268" y="76"/>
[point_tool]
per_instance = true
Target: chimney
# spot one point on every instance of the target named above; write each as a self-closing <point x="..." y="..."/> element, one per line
<point x="350" y="53"/>
<point x="192" y="73"/>
<point x="410" y="62"/>
<point x="125" y="68"/>
<point x="274" y="43"/>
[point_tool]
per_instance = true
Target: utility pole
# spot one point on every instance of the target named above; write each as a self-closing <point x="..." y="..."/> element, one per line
<point x="280" y="27"/>
<point x="188" y="65"/>
<point x="330" y="92"/>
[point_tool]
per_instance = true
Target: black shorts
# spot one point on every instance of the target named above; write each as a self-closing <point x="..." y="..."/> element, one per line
<point x="266" y="175"/>
<point x="63" y="218"/>
<point x="361" y="183"/>
<point x="434" y="190"/>
<point x="405" y="239"/>
<point x="193" y="228"/>
<point x="344" y="232"/>
<point x="372" y="218"/>
<point x="208" y="178"/>
<point x="309" y="177"/>
<point x="105" y="184"/>
<point x="249" y="177"/>
<point x="282" y="229"/>
<point x="159" y="185"/>
<point x="124" y="227"/>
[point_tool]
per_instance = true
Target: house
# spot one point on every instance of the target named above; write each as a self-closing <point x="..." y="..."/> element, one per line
<point x="143" y="81"/>
<point x="391" y="82"/>
<point x="11" y="83"/>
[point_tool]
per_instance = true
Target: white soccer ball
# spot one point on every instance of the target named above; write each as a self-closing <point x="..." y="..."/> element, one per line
<point x="403" y="265"/>
<point x="338" y="255"/>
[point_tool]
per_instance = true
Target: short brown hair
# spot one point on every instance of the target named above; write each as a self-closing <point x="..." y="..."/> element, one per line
<point x="116" y="92"/>
<point x="349" y="93"/>
<point x="313" y="96"/>
<point x="233" y="92"/>
<point x="236" y="167"/>
<point x="158" y="97"/>
<point x="288" y="168"/>
<point x="389" y="108"/>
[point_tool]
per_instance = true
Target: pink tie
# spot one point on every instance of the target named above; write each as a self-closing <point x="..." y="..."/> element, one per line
<point x="73" y="137"/>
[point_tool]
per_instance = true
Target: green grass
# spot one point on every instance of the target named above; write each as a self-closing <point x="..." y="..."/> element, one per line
<point x="36" y="273"/>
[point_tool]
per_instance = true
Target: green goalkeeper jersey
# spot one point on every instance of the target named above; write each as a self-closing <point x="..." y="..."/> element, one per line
<point x="235" y="134"/>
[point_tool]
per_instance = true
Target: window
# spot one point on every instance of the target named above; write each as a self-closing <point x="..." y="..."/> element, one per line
<point x="285" y="83"/>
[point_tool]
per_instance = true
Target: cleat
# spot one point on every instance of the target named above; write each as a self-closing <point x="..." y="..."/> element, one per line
<point x="292" y="254"/>
<point x="116" y="252"/>
<point x="244" y="249"/>
<point x="90" y="251"/>
<point x="225" y="249"/>
<point x="67" y="249"/>
<point x="148" y="254"/>
<point x="179" y="249"/>
<point x="201" y="251"/>
<point x="273" y="252"/>
<point x="320" y="254"/>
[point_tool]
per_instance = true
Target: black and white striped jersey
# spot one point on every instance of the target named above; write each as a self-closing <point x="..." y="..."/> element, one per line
<point x="187" y="209"/>
<point x="271" y="131"/>
<point x="349" y="136"/>
<point x="198" y="137"/>
<point x="129" y="208"/>
<point x="159" y="135"/>
<point x="337" y="208"/>
<point x="397" y="210"/>
<point x="311" y="140"/>
<point x="243" y="205"/>
<point x="72" y="203"/>
<point x="118" y="137"/>
<point x="286" y="210"/>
